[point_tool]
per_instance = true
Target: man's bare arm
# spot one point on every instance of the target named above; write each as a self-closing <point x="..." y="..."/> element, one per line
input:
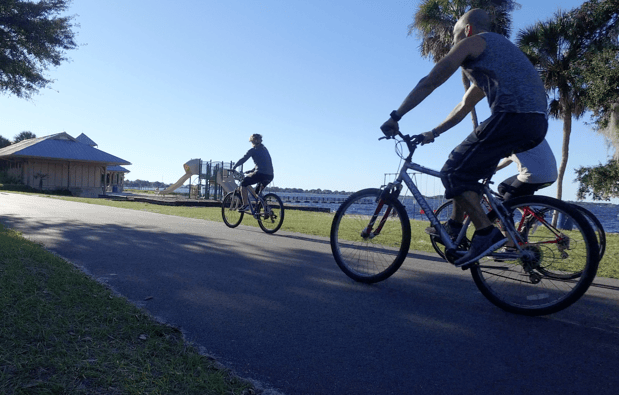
<point x="445" y="68"/>
<point x="472" y="96"/>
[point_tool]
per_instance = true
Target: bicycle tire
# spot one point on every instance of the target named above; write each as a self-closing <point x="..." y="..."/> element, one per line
<point x="597" y="228"/>
<point x="370" y="259"/>
<point x="443" y="213"/>
<point x="542" y="282"/>
<point x="229" y="209"/>
<point x="271" y="217"/>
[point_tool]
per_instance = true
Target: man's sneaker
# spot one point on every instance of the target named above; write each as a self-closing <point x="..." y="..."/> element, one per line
<point x="480" y="247"/>
<point x="244" y="208"/>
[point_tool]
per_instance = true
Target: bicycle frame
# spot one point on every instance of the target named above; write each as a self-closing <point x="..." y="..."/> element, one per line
<point x="560" y="237"/>
<point x="403" y="176"/>
<point x="254" y="198"/>
<point x="393" y="190"/>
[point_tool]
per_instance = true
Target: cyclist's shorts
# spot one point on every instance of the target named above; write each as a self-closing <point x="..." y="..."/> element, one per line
<point x="255" y="178"/>
<point x="477" y="157"/>
<point x="513" y="187"/>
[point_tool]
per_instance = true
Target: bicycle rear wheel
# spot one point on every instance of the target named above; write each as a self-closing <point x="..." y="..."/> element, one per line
<point x="597" y="228"/>
<point x="229" y="209"/>
<point x="271" y="215"/>
<point x="558" y="265"/>
<point x="370" y="255"/>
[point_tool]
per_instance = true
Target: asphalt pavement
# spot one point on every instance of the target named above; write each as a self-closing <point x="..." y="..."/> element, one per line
<point x="277" y="310"/>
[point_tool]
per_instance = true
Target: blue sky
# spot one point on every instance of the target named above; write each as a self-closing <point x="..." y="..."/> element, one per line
<point x="159" y="83"/>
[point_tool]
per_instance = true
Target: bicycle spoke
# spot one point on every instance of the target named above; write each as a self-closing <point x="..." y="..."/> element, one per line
<point x="229" y="209"/>
<point x="370" y="248"/>
<point x="270" y="213"/>
<point x="555" y="268"/>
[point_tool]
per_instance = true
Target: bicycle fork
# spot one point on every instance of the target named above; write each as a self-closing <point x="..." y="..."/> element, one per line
<point x="367" y="232"/>
<point x="388" y="193"/>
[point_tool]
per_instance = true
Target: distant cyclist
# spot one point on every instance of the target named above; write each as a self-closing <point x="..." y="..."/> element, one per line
<point x="261" y="173"/>
<point x="537" y="169"/>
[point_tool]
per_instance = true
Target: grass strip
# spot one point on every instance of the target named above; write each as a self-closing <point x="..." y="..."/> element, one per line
<point x="63" y="333"/>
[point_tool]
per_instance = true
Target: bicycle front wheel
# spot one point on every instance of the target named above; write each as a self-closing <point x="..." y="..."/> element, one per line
<point x="557" y="266"/>
<point x="229" y="209"/>
<point x="271" y="214"/>
<point x="370" y="237"/>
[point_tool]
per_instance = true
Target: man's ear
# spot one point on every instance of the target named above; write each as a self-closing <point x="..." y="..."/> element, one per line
<point x="468" y="31"/>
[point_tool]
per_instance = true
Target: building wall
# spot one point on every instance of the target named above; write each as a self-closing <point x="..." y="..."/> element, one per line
<point x="85" y="176"/>
<point x="81" y="178"/>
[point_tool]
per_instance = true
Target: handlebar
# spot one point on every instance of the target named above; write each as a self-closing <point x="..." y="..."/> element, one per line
<point x="411" y="141"/>
<point x="237" y="175"/>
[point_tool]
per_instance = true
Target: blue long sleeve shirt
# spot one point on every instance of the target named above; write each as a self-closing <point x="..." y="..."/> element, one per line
<point x="261" y="158"/>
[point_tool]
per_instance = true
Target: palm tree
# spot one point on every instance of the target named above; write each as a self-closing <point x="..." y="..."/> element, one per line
<point x="435" y="19"/>
<point x="555" y="48"/>
<point x="25" y="135"/>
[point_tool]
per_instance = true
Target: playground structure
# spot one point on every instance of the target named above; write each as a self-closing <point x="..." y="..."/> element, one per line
<point x="214" y="179"/>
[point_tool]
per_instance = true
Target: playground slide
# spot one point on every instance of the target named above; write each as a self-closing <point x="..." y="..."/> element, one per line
<point x="226" y="181"/>
<point x="176" y="185"/>
<point x="191" y="168"/>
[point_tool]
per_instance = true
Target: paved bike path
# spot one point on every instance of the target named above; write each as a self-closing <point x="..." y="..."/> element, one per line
<point x="277" y="309"/>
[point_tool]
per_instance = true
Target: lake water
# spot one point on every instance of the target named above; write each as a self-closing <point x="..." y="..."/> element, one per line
<point x="607" y="213"/>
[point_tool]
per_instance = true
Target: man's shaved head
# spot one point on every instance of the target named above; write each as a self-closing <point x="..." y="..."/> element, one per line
<point x="478" y="18"/>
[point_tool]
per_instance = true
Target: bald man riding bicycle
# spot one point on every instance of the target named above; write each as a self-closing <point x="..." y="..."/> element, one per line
<point x="499" y="71"/>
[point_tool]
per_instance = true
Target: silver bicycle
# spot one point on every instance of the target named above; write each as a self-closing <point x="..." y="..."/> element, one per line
<point x="267" y="209"/>
<point x="540" y="271"/>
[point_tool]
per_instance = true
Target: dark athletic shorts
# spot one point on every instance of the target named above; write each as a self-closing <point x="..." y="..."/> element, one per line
<point x="512" y="187"/>
<point x="479" y="154"/>
<point x="255" y="178"/>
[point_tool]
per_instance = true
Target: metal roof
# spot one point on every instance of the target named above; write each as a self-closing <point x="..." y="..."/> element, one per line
<point x="59" y="146"/>
<point x="82" y="138"/>
<point x="117" y="168"/>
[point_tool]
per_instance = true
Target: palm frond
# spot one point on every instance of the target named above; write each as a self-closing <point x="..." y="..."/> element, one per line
<point x="434" y="21"/>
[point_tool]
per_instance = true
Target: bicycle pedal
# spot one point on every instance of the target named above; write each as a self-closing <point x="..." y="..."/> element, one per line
<point x="468" y="266"/>
<point x="451" y="255"/>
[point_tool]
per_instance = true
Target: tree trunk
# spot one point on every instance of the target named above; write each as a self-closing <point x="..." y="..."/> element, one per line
<point x="467" y="84"/>
<point x="567" y="131"/>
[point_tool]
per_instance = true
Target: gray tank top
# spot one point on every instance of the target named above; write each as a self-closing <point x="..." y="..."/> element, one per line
<point x="507" y="77"/>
